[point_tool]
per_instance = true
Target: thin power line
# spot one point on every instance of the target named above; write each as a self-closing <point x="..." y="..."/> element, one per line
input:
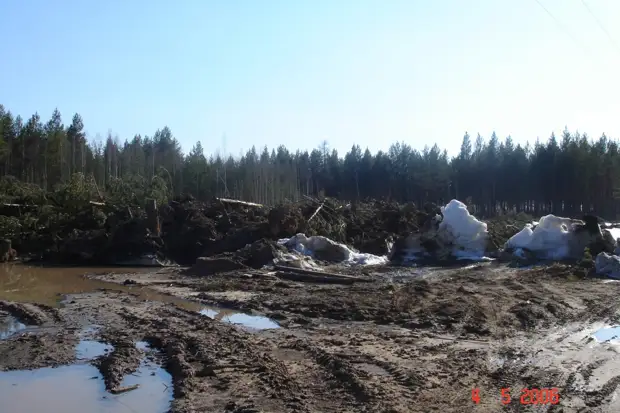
<point x="600" y="24"/>
<point x="561" y="26"/>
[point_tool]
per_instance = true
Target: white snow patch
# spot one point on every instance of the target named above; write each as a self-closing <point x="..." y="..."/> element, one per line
<point x="607" y="264"/>
<point x="551" y="239"/>
<point x="467" y="235"/>
<point x="458" y="235"/>
<point x="615" y="232"/>
<point x="295" y="259"/>
<point x="319" y="246"/>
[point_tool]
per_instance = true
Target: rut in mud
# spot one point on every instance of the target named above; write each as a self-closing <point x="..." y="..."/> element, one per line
<point x="403" y="343"/>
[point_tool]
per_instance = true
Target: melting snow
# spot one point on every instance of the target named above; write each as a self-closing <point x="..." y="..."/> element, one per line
<point x="467" y="235"/>
<point x="457" y="235"/>
<point x="551" y="239"/>
<point x="324" y="248"/>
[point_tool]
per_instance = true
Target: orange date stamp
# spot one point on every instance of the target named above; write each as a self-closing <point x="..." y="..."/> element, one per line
<point x="527" y="396"/>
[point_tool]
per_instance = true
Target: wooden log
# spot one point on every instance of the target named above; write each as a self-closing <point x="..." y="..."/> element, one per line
<point x="236" y="201"/>
<point x="319" y="276"/>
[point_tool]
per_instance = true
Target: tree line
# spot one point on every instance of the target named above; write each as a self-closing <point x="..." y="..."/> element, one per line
<point x="565" y="175"/>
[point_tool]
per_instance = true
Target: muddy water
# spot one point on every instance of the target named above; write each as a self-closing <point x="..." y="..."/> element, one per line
<point x="9" y="325"/>
<point x="49" y="285"/>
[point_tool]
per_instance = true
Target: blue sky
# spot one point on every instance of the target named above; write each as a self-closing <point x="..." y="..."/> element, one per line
<point x="297" y="72"/>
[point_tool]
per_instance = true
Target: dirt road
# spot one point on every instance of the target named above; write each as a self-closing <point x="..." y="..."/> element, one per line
<point x="410" y="341"/>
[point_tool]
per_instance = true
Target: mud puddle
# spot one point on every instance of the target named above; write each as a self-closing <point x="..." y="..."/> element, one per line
<point x="89" y="349"/>
<point x="47" y="285"/>
<point x="607" y="334"/>
<point x="52" y="285"/>
<point x="10" y="325"/>
<point x="253" y="322"/>
<point x="80" y="387"/>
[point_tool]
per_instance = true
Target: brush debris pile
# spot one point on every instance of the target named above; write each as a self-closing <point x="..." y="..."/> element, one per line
<point x="62" y="230"/>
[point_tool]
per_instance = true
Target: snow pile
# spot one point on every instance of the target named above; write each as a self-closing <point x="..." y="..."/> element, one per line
<point x="323" y="248"/>
<point x="552" y="238"/>
<point x="455" y="235"/>
<point x="607" y="264"/>
<point x="557" y="238"/>
<point x="458" y="228"/>
<point x="615" y="232"/>
<point x="296" y="260"/>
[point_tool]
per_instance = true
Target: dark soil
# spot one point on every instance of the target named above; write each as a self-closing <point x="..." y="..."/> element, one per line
<point x="394" y="345"/>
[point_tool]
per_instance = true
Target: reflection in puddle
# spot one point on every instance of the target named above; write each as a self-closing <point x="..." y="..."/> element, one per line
<point x="9" y="325"/>
<point x="607" y="334"/>
<point x="255" y="322"/>
<point x="89" y="349"/>
<point x="80" y="388"/>
<point x="155" y="385"/>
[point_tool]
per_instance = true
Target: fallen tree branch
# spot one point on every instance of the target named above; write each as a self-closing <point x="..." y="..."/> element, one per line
<point x="124" y="389"/>
<point x="236" y="201"/>
<point x="316" y="212"/>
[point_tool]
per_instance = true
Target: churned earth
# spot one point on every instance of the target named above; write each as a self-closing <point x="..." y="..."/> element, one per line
<point x="403" y="340"/>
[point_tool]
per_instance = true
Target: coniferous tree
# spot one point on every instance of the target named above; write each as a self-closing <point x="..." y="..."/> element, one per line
<point x="565" y="175"/>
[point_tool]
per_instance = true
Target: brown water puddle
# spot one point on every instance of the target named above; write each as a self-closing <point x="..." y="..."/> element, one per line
<point x="49" y="285"/>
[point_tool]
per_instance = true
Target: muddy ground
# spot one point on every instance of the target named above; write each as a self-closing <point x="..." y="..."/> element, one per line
<point x="411" y="340"/>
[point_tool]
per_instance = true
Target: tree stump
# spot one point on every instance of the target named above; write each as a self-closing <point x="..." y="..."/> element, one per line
<point x="152" y="216"/>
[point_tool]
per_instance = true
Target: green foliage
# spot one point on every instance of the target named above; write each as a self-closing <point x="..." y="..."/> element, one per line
<point x="10" y="227"/>
<point x="134" y="189"/>
<point x="158" y="190"/>
<point x="76" y="193"/>
<point x="13" y="190"/>
<point x="587" y="261"/>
